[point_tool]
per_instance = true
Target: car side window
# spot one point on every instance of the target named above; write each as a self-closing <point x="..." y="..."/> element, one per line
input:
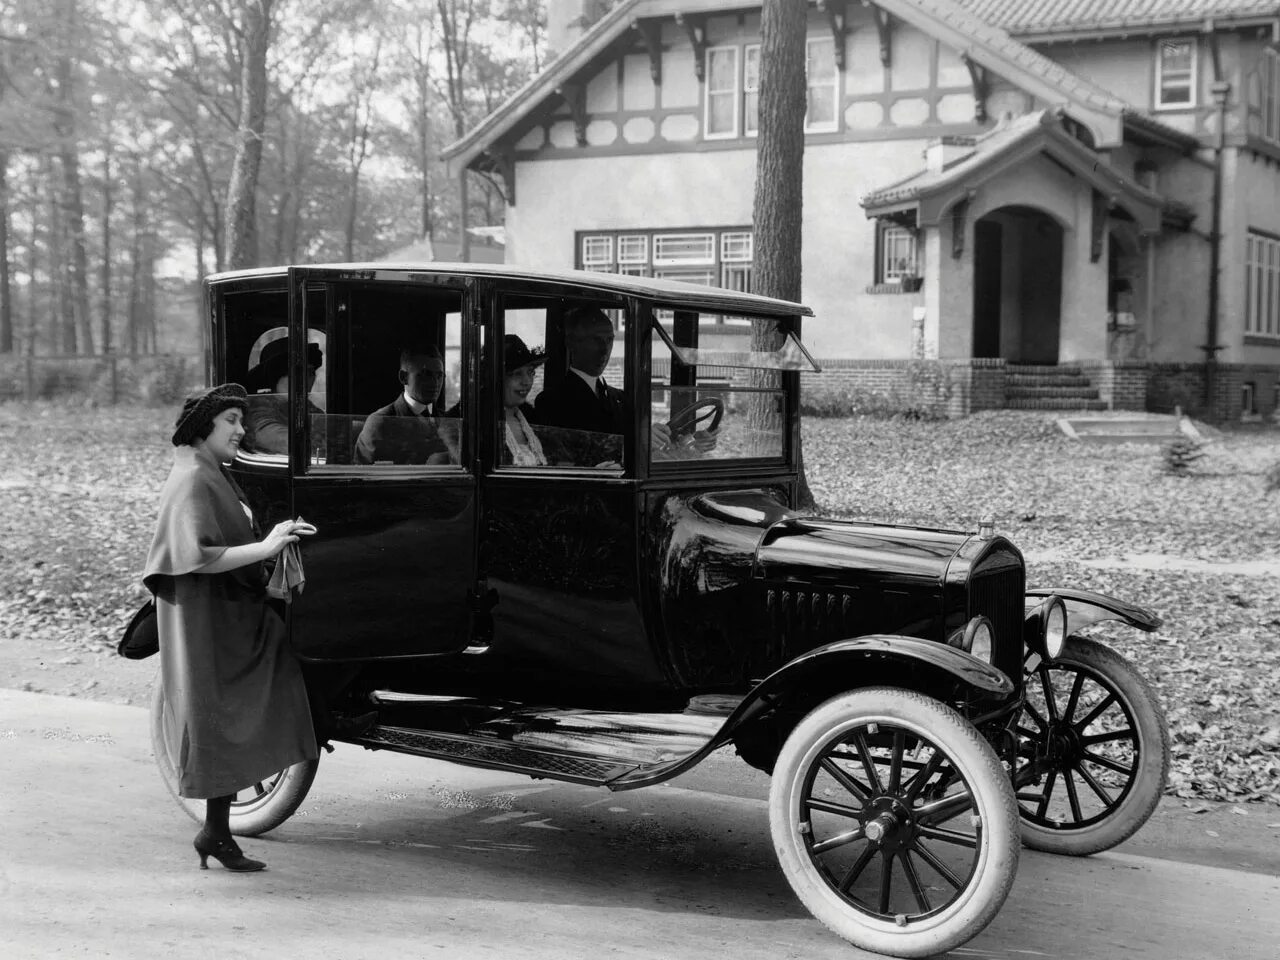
<point x="393" y="398"/>
<point x="561" y="400"/>
<point x="257" y="353"/>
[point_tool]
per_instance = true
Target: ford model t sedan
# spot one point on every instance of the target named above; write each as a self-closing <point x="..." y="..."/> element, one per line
<point x="558" y="536"/>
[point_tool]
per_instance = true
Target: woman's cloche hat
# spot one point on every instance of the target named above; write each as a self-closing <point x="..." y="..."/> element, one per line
<point x="515" y="354"/>
<point x="202" y="406"/>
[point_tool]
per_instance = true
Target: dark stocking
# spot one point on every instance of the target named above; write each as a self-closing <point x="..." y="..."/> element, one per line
<point x="217" y="817"/>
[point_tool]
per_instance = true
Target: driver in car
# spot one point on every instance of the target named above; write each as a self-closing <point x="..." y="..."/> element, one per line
<point x="579" y="399"/>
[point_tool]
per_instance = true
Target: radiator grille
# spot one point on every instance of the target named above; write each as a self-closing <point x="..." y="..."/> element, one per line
<point x="997" y="584"/>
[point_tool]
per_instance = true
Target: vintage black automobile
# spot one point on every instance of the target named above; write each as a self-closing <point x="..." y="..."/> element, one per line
<point x="640" y="599"/>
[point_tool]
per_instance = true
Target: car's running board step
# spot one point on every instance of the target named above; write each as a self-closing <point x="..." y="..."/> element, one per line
<point x="498" y="754"/>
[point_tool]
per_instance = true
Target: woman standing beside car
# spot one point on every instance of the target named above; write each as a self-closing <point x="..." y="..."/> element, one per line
<point x="236" y="707"/>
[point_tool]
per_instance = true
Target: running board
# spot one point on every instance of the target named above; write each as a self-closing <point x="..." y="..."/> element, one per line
<point x="494" y="754"/>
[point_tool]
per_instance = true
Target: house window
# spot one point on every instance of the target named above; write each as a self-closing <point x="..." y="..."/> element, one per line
<point x="597" y="253"/>
<point x="1248" y="399"/>
<point x="722" y="93"/>
<point x="751" y="89"/>
<point x="1175" y="73"/>
<point x="714" y="258"/>
<point x="821" y="79"/>
<point x="1269" y="77"/>
<point x="1262" y="285"/>
<point x="898" y="255"/>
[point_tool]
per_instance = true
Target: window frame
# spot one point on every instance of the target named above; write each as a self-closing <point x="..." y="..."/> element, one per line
<point x="750" y="111"/>
<point x="1269" y="95"/>
<point x="826" y="126"/>
<point x="1161" y="74"/>
<point x="1262" y="285"/>
<point x="886" y="233"/>
<point x="731" y="251"/>
<point x="733" y="92"/>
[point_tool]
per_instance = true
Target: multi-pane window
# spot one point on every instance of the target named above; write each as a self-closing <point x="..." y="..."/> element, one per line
<point x="716" y="258"/>
<point x="1269" y="82"/>
<point x="1262" y="285"/>
<point x="1176" y="73"/>
<point x="821" y="80"/>
<point x="751" y="89"/>
<point x="722" y="92"/>
<point x="898" y="253"/>
<point x="733" y="94"/>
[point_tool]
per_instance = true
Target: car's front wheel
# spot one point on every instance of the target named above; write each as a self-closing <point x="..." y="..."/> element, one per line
<point x="894" y="822"/>
<point x="1094" y="734"/>
<point x="261" y="807"/>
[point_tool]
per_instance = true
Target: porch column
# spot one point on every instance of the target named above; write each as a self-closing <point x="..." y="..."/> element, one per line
<point x="1083" y="329"/>
<point x="948" y="292"/>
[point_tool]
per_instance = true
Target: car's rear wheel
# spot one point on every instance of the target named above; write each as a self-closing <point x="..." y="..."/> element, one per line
<point x="894" y="822"/>
<point x="261" y="807"/>
<point x="1094" y="731"/>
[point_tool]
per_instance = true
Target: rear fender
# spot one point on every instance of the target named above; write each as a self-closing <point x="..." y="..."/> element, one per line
<point x="1085" y="608"/>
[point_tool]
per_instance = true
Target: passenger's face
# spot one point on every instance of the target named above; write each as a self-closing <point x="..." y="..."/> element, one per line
<point x="517" y="384"/>
<point x="590" y="345"/>
<point x="423" y="376"/>
<point x="224" y="439"/>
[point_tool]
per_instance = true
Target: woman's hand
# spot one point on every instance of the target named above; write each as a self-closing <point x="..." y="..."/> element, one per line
<point x="284" y="533"/>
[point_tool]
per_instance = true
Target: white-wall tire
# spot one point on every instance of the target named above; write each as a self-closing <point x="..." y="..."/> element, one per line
<point x="834" y="788"/>
<point x="262" y="807"/>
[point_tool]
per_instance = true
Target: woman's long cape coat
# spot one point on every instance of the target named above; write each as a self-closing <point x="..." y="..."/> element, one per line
<point x="236" y="708"/>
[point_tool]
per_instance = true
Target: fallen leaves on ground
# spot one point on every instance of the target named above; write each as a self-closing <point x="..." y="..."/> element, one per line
<point x="78" y="490"/>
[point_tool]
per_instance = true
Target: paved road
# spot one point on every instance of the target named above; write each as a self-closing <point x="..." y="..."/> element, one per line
<point x="393" y="857"/>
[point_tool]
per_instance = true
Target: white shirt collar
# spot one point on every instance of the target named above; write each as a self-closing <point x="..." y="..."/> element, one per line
<point x="587" y="378"/>
<point x="414" y="405"/>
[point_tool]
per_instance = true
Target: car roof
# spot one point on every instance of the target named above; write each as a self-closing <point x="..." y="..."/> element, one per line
<point x="654" y="288"/>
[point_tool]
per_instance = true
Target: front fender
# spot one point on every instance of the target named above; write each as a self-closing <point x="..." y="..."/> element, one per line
<point x="1084" y="608"/>
<point x="879" y="657"/>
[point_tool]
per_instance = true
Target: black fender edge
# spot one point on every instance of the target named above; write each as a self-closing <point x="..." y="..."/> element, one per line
<point x="1085" y="607"/>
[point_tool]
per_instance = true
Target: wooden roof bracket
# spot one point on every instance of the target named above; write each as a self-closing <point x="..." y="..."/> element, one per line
<point x="837" y="19"/>
<point x="884" y="26"/>
<point x="504" y="165"/>
<point x="695" y="27"/>
<point x="981" y="87"/>
<point x="575" y="96"/>
<point x="651" y="33"/>
<point x="959" y="218"/>
<point x="1102" y="207"/>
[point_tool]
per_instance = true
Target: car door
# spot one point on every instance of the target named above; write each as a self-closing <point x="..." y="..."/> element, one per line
<point x="391" y="571"/>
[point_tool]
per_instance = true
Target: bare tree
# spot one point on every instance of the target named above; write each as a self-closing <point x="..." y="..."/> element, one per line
<point x="253" y="31"/>
<point x="457" y="17"/>
<point x="363" y="85"/>
<point x="779" y="196"/>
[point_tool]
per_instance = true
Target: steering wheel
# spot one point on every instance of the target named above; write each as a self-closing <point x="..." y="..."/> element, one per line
<point x="689" y="418"/>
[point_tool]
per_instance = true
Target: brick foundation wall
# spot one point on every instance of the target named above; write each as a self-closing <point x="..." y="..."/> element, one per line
<point x="1121" y="385"/>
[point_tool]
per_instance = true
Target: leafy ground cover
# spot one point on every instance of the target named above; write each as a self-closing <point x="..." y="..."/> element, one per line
<point x="78" y="490"/>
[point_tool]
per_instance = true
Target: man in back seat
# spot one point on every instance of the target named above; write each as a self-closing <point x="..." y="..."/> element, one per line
<point x="405" y="430"/>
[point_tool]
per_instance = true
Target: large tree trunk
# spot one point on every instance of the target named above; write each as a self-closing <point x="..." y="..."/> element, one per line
<point x="779" y="197"/>
<point x="108" y="198"/>
<point x="242" y="227"/>
<point x="64" y="124"/>
<point x="6" y="291"/>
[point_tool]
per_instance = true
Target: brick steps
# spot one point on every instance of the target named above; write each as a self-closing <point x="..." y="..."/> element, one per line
<point x="1034" y="387"/>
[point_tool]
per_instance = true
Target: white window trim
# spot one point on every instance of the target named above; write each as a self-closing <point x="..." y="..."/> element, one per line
<point x="1194" y="79"/>
<point x="1269" y="88"/>
<point x="746" y="114"/>
<point x="889" y="272"/>
<point x="832" y="125"/>
<point x="1262" y="286"/>
<point x="587" y="262"/>
<point x="733" y="93"/>
<point x="706" y="261"/>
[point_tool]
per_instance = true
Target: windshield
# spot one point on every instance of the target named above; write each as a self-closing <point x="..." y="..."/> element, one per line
<point x="715" y="395"/>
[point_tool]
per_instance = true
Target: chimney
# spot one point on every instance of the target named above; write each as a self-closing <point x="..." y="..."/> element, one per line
<point x="566" y="21"/>
<point x="940" y="153"/>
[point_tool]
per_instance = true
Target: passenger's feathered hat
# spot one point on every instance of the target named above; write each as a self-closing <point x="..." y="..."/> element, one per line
<point x="515" y="354"/>
<point x="199" y="409"/>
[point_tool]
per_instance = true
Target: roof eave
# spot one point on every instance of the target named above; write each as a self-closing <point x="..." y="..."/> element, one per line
<point x="1119" y="29"/>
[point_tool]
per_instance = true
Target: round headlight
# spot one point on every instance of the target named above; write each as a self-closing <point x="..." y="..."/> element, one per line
<point x="979" y="640"/>
<point x="1055" y="627"/>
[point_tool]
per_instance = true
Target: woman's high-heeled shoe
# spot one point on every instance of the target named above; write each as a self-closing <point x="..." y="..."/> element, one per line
<point x="226" y="852"/>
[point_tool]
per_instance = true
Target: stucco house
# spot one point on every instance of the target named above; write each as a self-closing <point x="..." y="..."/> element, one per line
<point x="1064" y="203"/>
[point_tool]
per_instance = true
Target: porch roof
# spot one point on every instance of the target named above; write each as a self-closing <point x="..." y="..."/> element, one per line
<point x="985" y="45"/>
<point x="930" y="193"/>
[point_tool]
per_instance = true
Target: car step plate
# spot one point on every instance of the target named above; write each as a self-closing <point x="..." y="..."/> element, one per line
<point x="499" y="755"/>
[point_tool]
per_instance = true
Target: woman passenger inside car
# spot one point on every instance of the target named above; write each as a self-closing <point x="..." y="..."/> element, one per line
<point x="520" y="444"/>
